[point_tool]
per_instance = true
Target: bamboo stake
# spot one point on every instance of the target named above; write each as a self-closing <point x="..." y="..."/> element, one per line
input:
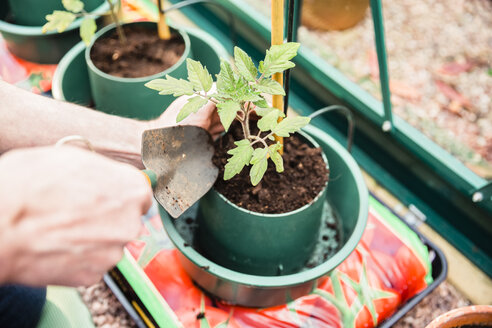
<point x="277" y="39"/>
<point x="162" y="27"/>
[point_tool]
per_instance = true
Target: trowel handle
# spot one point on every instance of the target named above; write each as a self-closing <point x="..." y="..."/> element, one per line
<point x="151" y="177"/>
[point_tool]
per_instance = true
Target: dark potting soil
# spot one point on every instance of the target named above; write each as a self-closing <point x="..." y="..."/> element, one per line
<point x="305" y="175"/>
<point x="143" y="54"/>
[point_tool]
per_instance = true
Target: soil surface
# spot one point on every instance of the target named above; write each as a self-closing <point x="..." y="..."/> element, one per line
<point x="304" y="177"/>
<point x="143" y="54"/>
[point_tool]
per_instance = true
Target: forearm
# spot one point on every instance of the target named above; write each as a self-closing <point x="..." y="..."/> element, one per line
<point x="29" y="120"/>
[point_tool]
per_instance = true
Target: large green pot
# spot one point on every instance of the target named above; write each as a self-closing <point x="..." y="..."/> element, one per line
<point x="129" y="97"/>
<point x="347" y="194"/>
<point x="33" y="12"/>
<point x="257" y="243"/>
<point x="30" y="43"/>
<point x="71" y="79"/>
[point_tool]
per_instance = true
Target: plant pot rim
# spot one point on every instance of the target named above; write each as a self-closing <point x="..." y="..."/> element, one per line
<point x="142" y="79"/>
<point x="38" y="30"/>
<point x="467" y="315"/>
<point x="275" y="282"/>
<point x="285" y="214"/>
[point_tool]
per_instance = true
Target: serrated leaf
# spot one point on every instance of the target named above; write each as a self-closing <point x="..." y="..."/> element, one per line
<point x="192" y="106"/>
<point x="198" y="75"/>
<point x="261" y="104"/>
<point x="225" y="78"/>
<point x="241" y="155"/>
<point x="269" y="86"/>
<point x="245" y="65"/>
<point x="290" y="125"/>
<point x="269" y="121"/>
<point x="227" y="113"/>
<point x="258" y="155"/>
<point x="243" y="92"/>
<point x="276" y="157"/>
<point x="170" y="85"/>
<point x="87" y="29"/>
<point x="58" y="20"/>
<point x="260" y="165"/>
<point x="278" y="58"/>
<point x="74" y="6"/>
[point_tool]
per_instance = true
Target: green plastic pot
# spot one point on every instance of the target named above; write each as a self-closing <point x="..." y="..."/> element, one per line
<point x="71" y="78"/>
<point x="129" y="97"/>
<point x="33" y="12"/>
<point x="347" y="194"/>
<point x="31" y="44"/>
<point x="257" y="243"/>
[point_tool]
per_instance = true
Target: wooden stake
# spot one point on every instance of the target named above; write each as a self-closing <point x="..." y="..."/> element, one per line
<point x="162" y="27"/>
<point x="278" y="38"/>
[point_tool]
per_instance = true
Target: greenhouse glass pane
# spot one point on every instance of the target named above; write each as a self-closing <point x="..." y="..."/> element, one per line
<point x="440" y="65"/>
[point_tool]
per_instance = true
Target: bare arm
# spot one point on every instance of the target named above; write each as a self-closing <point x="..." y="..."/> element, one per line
<point x="29" y="120"/>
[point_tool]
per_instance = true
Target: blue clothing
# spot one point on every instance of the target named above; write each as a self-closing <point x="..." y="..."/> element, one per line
<point x="20" y="306"/>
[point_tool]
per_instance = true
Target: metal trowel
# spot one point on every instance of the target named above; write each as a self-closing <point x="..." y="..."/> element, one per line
<point x="178" y="162"/>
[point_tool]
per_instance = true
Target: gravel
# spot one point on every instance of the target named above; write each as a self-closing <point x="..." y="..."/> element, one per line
<point x="107" y="312"/>
<point x="440" y="63"/>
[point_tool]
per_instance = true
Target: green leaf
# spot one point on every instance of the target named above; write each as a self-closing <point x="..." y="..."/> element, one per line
<point x="258" y="155"/>
<point x="74" y="6"/>
<point x="261" y="104"/>
<point x="171" y="85"/>
<point x="198" y="75"/>
<point x="290" y="124"/>
<point x="87" y="29"/>
<point x="278" y="58"/>
<point x="227" y="113"/>
<point x="260" y="164"/>
<point x="245" y="65"/>
<point x="243" y="92"/>
<point x="269" y="121"/>
<point x="269" y="86"/>
<point x="58" y="20"/>
<point x="276" y="157"/>
<point x="225" y="78"/>
<point x="192" y="106"/>
<point x="241" y="155"/>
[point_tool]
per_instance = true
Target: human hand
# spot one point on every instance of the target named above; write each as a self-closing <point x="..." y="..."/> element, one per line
<point x="206" y="117"/>
<point x="65" y="215"/>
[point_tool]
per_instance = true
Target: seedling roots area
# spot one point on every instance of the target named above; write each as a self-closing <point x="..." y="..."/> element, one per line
<point x="143" y="54"/>
<point x="304" y="177"/>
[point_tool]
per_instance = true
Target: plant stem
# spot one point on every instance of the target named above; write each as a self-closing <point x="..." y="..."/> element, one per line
<point x="258" y="139"/>
<point x="245" y="132"/>
<point x="114" y="17"/>
<point x="246" y="118"/>
<point x="209" y="98"/>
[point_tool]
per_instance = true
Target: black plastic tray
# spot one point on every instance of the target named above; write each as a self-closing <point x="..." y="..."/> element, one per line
<point x="125" y="294"/>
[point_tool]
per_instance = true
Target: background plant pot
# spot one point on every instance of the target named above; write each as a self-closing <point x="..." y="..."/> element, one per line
<point x="129" y="97"/>
<point x="71" y="79"/>
<point x="257" y="243"/>
<point x="333" y="14"/>
<point x="479" y="315"/>
<point x="348" y="196"/>
<point x="33" y="12"/>
<point x="30" y="43"/>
